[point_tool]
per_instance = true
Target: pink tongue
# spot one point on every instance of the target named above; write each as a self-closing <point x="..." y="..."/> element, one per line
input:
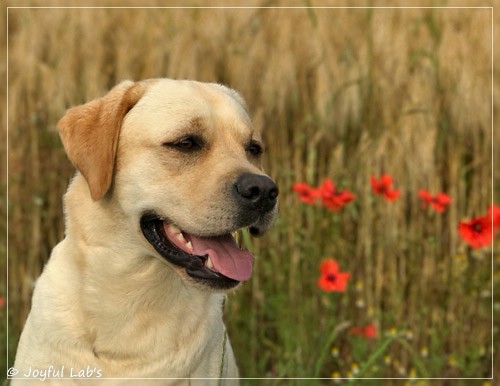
<point x="227" y="258"/>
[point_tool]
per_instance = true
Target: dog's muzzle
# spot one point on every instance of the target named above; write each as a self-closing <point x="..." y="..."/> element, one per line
<point x="216" y="260"/>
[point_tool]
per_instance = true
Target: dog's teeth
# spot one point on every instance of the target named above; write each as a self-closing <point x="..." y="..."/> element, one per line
<point x="209" y="263"/>
<point x="174" y="229"/>
<point x="189" y="246"/>
<point x="181" y="238"/>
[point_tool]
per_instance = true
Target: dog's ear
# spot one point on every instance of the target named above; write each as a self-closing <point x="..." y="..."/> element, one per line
<point x="90" y="134"/>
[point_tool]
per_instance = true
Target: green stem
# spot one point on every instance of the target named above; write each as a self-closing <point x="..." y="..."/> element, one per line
<point x="327" y="347"/>
<point x="376" y="355"/>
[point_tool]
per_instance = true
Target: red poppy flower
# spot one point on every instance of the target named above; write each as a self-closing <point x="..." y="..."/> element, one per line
<point x="384" y="187"/>
<point x="478" y="233"/>
<point x="369" y="331"/>
<point x="2" y="302"/>
<point x="306" y="193"/>
<point x="494" y="214"/>
<point x="333" y="199"/>
<point x="439" y="202"/>
<point x="332" y="280"/>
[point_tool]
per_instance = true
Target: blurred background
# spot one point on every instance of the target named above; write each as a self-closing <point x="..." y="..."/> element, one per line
<point x="345" y="94"/>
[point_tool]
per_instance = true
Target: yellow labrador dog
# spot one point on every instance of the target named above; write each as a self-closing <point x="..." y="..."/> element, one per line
<point x="167" y="170"/>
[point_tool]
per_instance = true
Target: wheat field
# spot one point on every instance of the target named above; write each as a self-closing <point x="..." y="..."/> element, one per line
<point x="340" y="93"/>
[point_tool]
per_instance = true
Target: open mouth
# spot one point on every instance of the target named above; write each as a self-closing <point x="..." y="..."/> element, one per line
<point x="214" y="261"/>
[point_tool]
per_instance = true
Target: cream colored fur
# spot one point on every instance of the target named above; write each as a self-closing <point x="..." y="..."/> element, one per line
<point x="106" y="301"/>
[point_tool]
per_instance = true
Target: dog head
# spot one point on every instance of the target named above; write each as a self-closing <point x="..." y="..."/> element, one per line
<point x="182" y="161"/>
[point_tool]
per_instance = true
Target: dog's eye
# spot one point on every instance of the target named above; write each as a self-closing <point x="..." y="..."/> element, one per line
<point x="186" y="144"/>
<point x="255" y="149"/>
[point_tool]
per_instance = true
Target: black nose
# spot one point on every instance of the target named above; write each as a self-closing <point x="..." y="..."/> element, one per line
<point x="256" y="192"/>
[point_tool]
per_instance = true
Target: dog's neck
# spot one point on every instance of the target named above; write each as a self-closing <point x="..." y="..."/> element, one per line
<point x="129" y="288"/>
